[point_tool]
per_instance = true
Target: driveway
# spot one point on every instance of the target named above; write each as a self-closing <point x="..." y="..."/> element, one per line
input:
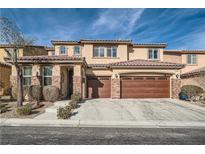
<point x="139" y="110"/>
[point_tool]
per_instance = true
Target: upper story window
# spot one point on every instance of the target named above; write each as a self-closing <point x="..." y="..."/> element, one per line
<point x="153" y="54"/>
<point x="77" y="50"/>
<point x="62" y="50"/>
<point x="99" y="52"/>
<point x="191" y="59"/>
<point x="27" y="73"/>
<point x="105" y="52"/>
<point x="47" y="75"/>
<point x="112" y="51"/>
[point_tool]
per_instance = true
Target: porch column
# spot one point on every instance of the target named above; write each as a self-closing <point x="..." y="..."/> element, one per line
<point x="115" y="87"/>
<point x="36" y="75"/>
<point x="77" y="79"/>
<point x="56" y="78"/>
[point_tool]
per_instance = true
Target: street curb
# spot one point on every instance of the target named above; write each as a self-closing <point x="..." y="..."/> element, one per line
<point x="103" y="124"/>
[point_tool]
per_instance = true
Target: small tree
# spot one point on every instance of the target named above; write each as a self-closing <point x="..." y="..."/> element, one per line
<point x="12" y="35"/>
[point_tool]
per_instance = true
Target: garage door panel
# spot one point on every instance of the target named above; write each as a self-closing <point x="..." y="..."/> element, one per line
<point x="155" y="88"/>
<point x="99" y="87"/>
<point x="148" y="90"/>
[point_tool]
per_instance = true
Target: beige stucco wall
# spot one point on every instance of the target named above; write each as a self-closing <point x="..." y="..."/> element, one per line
<point x="200" y="62"/>
<point x="172" y="57"/>
<point x="69" y="49"/>
<point x="87" y="52"/>
<point x="136" y="72"/>
<point x="142" y="53"/>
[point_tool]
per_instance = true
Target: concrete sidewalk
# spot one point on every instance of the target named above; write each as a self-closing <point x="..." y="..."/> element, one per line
<point x="115" y="124"/>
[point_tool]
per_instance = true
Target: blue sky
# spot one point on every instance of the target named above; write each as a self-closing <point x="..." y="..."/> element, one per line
<point x="180" y="28"/>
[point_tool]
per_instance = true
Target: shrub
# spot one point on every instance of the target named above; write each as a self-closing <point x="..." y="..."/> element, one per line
<point x="50" y="93"/>
<point x="24" y="110"/>
<point x="76" y="97"/>
<point x="191" y="90"/>
<point x="73" y="104"/>
<point x="3" y="108"/>
<point x="35" y="93"/>
<point x="64" y="112"/>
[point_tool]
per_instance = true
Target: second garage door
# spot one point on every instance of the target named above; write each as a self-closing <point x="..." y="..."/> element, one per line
<point x="145" y="87"/>
<point x="99" y="87"/>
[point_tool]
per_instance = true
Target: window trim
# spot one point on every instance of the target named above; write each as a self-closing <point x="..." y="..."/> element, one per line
<point x="65" y="50"/>
<point x="27" y="76"/>
<point x="158" y="54"/>
<point x="192" y="59"/>
<point x="79" y="50"/>
<point x="43" y="76"/>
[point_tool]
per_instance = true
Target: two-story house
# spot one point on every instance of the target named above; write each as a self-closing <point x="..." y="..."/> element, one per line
<point x="106" y="69"/>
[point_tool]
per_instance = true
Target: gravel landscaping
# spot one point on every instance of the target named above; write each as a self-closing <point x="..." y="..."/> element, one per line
<point x="11" y="110"/>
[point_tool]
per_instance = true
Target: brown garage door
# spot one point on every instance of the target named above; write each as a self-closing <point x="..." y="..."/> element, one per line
<point x="99" y="87"/>
<point x="145" y="87"/>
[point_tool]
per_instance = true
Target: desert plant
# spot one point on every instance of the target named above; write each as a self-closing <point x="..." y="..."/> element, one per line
<point x="50" y="93"/>
<point x="26" y="90"/>
<point x="191" y="90"/>
<point x="76" y="97"/>
<point x="35" y="93"/>
<point x="24" y="110"/>
<point x="73" y="104"/>
<point x="64" y="112"/>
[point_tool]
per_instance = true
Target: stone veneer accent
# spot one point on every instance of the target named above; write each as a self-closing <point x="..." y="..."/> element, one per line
<point x="175" y="88"/>
<point x="77" y="85"/>
<point x="197" y="80"/>
<point x="56" y="81"/>
<point x="115" y="88"/>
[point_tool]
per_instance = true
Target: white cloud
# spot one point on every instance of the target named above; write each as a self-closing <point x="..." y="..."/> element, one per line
<point x="115" y="20"/>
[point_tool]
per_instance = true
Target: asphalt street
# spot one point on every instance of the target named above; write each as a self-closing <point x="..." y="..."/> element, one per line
<point x="100" y="136"/>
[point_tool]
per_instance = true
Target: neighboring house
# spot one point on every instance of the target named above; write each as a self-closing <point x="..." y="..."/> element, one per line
<point x="193" y="59"/>
<point x="6" y="68"/>
<point x="195" y="77"/>
<point x="105" y="69"/>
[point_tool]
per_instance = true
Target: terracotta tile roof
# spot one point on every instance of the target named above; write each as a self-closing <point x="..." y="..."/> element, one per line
<point x="139" y="63"/>
<point x="40" y="46"/>
<point x="185" y="51"/>
<point x="105" y="41"/>
<point x="61" y="42"/>
<point x="47" y="59"/>
<point x="146" y="63"/>
<point x="197" y="71"/>
<point x="4" y="64"/>
<point x="98" y="65"/>
<point x="49" y="48"/>
<point x="150" y="45"/>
